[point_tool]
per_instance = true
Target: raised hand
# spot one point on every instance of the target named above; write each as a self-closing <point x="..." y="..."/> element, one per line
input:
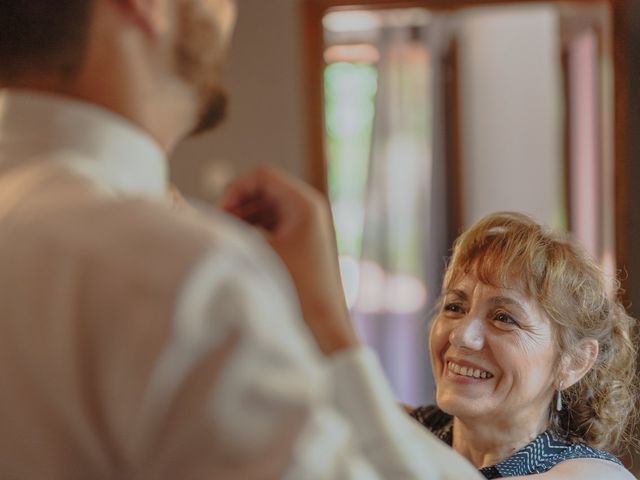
<point x="296" y="221"/>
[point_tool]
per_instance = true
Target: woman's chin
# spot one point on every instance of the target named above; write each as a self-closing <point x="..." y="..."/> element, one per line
<point x="460" y="406"/>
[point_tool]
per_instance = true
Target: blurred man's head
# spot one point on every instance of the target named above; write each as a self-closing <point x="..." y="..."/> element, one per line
<point x="42" y="36"/>
<point x="181" y="42"/>
<point x="201" y="46"/>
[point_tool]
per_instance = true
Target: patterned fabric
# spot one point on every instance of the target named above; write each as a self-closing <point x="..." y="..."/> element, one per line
<point x="542" y="454"/>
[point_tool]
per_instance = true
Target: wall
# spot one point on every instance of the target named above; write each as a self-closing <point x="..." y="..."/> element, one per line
<point x="511" y="112"/>
<point x="633" y="154"/>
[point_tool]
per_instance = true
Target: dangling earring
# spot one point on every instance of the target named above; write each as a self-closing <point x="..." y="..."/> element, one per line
<point x="559" y="398"/>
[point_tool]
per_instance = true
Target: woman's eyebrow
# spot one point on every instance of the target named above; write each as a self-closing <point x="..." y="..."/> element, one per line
<point x="502" y="300"/>
<point x="460" y="294"/>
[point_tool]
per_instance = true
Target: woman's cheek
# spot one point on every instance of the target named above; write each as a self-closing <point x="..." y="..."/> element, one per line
<point x="438" y="339"/>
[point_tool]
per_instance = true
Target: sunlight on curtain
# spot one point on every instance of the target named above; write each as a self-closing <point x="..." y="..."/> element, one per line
<point x="350" y="91"/>
<point x="391" y="307"/>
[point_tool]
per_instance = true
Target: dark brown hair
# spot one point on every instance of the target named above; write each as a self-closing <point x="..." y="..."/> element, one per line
<point x="579" y="299"/>
<point x="42" y="36"/>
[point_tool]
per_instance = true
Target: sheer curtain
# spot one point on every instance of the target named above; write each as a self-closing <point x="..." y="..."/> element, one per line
<point x="404" y="234"/>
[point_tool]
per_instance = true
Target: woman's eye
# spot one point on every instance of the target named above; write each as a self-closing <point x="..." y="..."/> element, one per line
<point x="504" y="317"/>
<point x="453" y="308"/>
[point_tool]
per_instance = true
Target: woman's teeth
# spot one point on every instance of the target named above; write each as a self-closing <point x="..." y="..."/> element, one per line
<point x="468" y="371"/>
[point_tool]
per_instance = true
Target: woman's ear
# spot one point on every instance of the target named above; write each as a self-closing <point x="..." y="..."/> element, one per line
<point x="574" y="367"/>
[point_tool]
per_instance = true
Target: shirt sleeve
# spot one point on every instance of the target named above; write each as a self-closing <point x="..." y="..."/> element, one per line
<point x="274" y="401"/>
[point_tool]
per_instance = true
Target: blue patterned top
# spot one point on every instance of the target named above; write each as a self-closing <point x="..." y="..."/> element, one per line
<point x="540" y="455"/>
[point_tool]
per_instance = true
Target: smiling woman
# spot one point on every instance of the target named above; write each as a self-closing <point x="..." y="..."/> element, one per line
<point x="532" y="355"/>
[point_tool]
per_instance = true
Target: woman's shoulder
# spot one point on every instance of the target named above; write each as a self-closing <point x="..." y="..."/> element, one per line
<point x="567" y="450"/>
<point x="588" y="469"/>
<point x="552" y="452"/>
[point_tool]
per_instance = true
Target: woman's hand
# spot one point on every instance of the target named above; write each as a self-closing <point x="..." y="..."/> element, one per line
<point x="296" y="221"/>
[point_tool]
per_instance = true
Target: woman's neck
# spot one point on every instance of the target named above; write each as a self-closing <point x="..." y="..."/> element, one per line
<point x="487" y="442"/>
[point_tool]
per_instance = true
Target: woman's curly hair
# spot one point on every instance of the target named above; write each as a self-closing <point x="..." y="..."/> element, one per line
<point x="581" y="301"/>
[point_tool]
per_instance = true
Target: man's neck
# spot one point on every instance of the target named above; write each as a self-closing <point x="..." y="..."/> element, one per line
<point x="164" y="111"/>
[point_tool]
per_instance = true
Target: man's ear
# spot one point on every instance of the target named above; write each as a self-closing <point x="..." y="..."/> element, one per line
<point x="152" y="16"/>
<point x="574" y="367"/>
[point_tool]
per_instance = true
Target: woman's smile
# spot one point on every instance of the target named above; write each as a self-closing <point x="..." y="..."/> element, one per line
<point x="462" y="370"/>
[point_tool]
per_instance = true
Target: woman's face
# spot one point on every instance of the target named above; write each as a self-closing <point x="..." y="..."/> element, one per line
<point x="492" y="353"/>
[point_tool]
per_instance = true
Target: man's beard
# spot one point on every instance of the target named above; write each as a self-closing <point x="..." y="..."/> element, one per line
<point x="213" y="110"/>
<point x="199" y="56"/>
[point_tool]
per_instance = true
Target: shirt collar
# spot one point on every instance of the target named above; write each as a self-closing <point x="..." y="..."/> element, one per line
<point x="108" y="148"/>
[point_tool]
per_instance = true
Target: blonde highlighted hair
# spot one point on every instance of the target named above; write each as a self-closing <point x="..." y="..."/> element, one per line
<point x="503" y="248"/>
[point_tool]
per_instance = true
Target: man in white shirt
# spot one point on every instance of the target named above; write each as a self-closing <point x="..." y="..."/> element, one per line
<point x="142" y="341"/>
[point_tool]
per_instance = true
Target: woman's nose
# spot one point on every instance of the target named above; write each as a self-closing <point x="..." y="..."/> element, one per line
<point x="468" y="334"/>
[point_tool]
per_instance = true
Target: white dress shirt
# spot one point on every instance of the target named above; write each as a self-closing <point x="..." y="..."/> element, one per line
<point x="141" y="342"/>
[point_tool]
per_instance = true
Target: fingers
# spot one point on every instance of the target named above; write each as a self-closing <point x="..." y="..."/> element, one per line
<point x="241" y="191"/>
<point x="259" y="198"/>
<point x="270" y="199"/>
<point x="297" y="224"/>
<point x="272" y="184"/>
<point x="258" y="211"/>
